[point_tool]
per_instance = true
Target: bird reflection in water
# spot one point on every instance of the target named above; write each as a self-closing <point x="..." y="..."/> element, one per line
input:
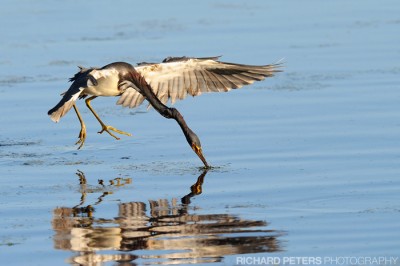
<point x="170" y="231"/>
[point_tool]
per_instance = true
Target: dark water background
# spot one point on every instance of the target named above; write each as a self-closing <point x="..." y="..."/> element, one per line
<point x="306" y="163"/>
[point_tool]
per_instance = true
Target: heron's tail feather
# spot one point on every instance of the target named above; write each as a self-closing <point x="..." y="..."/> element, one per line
<point x="66" y="102"/>
<point x="60" y="110"/>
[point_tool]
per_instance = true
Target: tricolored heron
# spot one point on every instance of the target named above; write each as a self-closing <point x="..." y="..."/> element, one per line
<point x="174" y="78"/>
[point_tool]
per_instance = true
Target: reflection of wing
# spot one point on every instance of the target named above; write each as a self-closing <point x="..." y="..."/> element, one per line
<point x="177" y="77"/>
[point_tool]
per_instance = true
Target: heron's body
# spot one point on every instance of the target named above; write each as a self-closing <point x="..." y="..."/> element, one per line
<point x="173" y="79"/>
<point x="107" y="83"/>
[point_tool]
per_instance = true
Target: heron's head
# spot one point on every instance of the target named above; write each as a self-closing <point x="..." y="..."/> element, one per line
<point x="194" y="142"/>
<point x="191" y="137"/>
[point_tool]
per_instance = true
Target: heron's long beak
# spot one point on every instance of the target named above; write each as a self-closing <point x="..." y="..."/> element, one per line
<point x="199" y="153"/>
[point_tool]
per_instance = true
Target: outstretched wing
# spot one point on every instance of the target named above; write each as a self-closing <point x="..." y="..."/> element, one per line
<point x="130" y="98"/>
<point x="177" y="77"/>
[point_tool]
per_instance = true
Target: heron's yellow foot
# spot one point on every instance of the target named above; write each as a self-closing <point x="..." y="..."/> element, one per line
<point x="108" y="128"/>
<point x="82" y="137"/>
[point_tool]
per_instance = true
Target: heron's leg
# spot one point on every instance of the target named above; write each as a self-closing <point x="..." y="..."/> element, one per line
<point x="104" y="126"/>
<point x="82" y="133"/>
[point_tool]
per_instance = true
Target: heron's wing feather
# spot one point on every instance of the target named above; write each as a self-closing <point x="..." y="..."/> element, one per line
<point x="175" y="78"/>
<point x="130" y="98"/>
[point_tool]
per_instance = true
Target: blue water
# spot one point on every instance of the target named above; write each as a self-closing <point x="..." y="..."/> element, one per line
<point x="306" y="163"/>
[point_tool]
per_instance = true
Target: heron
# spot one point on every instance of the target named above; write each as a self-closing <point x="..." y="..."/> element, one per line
<point x="172" y="79"/>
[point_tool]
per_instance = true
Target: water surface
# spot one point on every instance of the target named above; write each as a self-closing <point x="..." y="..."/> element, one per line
<point x="306" y="163"/>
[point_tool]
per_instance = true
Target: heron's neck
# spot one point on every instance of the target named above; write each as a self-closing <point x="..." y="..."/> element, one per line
<point x="164" y="110"/>
<point x="182" y="123"/>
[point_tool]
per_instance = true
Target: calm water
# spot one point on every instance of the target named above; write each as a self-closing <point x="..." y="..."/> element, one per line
<point x="306" y="163"/>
